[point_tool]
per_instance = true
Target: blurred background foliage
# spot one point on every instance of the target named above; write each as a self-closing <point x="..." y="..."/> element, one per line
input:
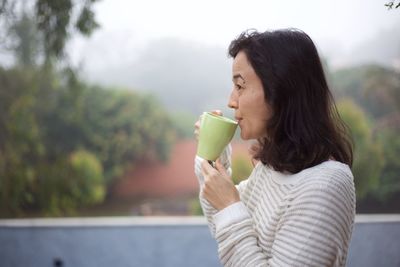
<point x="369" y="102"/>
<point x="64" y="143"/>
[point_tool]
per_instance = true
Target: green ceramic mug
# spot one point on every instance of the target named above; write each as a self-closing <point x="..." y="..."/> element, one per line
<point x="215" y="134"/>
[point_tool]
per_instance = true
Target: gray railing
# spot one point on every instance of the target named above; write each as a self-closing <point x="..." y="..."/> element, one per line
<point x="159" y="241"/>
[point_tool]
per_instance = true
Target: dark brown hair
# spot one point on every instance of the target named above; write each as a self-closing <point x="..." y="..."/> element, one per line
<point x="305" y="128"/>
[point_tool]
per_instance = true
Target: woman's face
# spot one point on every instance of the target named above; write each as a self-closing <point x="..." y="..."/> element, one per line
<point x="247" y="98"/>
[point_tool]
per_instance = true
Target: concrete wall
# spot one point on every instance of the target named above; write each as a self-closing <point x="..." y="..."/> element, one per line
<point x="167" y="241"/>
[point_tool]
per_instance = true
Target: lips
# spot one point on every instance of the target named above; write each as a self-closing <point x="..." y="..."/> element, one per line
<point x="238" y="120"/>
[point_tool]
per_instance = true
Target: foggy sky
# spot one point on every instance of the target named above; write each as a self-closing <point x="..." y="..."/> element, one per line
<point x="176" y="49"/>
<point x="337" y="26"/>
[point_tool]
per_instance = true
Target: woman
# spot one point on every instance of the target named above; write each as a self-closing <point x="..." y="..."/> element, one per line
<point x="297" y="207"/>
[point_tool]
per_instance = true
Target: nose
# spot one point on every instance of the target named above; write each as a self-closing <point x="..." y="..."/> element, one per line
<point x="233" y="100"/>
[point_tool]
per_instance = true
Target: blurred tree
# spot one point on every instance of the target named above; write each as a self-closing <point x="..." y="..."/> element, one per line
<point x="88" y="176"/>
<point x="368" y="155"/>
<point x="54" y="21"/>
<point x="384" y="84"/>
<point x="125" y="127"/>
<point x="26" y="42"/>
<point x="389" y="184"/>
<point x="241" y="168"/>
<point x="382" y="88"/>
<point x="67" y="183"/>
<point x="63" y="143"/>
<point x="376" y="89"/>
<point x="20" y="142"/>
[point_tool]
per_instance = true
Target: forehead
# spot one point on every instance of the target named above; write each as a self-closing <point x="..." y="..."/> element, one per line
<point x="241" y="66"/>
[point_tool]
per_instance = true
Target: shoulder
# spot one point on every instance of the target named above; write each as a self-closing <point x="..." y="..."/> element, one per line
<point x="326" y="182"/>
<point x="330" y="172"/>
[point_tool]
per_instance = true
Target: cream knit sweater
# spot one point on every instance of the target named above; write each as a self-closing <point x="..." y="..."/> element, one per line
<point x="302" y="219"/>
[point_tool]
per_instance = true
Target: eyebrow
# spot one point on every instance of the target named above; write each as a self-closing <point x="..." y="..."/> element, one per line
<point x="236" y="76"/>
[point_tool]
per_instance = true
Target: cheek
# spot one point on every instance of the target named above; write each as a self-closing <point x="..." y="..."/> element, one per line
<point x="258" y="126"/>
<point x="260" y="116"/>
<point x="252" y="128"/>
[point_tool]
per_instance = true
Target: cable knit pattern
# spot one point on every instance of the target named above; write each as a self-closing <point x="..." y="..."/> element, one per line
<point x="303" y="219"/>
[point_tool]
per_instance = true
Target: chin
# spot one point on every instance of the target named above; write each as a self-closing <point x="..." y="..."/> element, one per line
<point x="250" y="135"/>
<point x="245" y="137"/>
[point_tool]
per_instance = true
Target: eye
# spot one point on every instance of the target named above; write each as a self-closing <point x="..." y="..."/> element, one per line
<point x="238" y="86"/>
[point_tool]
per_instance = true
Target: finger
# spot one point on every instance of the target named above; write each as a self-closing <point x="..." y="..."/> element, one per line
<point x="217" y="112"/>
<point x="206" y="167"/>
<point x="220" y="167"/>
<point x="197" y="125"/>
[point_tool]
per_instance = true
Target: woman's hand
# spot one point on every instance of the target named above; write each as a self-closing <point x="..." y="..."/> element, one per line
<point x="218" y="188"/>
<point x="198" y="122"/>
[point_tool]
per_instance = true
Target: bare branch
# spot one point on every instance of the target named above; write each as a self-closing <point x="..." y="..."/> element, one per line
<point x="392" y="4"/>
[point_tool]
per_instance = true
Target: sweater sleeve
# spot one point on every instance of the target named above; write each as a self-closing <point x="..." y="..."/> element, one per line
<point x="314" y="230"/>
<point x="209" y="210"/>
